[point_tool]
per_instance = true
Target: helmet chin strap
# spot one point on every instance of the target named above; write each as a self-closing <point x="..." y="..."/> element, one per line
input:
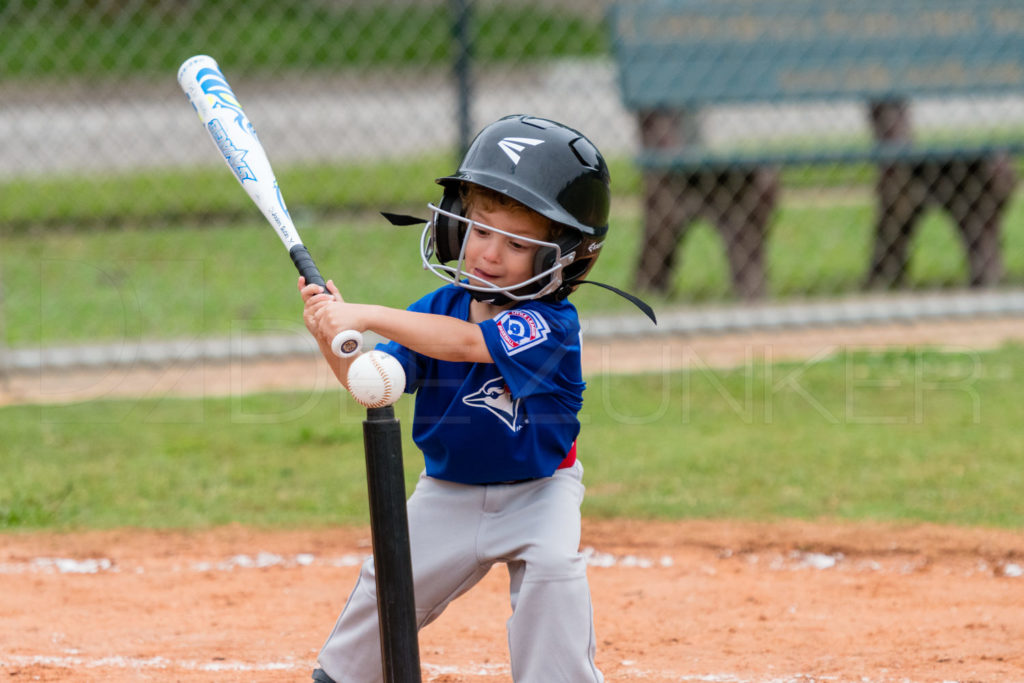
<point x="494" y="298"/>
<point x="402" y="220"/>
<point x="631" y="298"/>
<point x="499" y="299"/>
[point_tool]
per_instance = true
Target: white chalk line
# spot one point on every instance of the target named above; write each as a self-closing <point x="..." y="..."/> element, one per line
<point x="145" y="663"/>
<point x="792" y="561"/>
<point x="430" y="671"/>
<point x="264" y="560"/>
<point x="73" y="661"/>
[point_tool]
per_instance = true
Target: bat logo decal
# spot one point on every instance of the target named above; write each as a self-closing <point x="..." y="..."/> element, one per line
<point x="235" y="156"/>
<point x="213" y="84"/>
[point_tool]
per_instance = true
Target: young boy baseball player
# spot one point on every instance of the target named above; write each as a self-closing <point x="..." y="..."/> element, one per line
<point x="494" y="360"/>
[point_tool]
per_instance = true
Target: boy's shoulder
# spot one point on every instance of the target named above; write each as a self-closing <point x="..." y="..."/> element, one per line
<point x="533" y="323"/>
<point x="557" y="309"/>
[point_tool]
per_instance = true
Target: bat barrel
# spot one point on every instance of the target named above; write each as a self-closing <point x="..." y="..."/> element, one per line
<point x="229" y="128"/>
<point x="389" y="525"/>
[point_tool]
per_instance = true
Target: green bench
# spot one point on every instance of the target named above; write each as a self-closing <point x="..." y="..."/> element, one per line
<point x="677" y="58"/>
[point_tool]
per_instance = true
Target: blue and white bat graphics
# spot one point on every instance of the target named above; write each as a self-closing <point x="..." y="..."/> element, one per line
<point x="233" y="134"/>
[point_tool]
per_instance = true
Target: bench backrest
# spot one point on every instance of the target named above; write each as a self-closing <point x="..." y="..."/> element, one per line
<point x="686" y="53"/>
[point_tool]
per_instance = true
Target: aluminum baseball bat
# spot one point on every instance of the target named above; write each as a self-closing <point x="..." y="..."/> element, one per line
<point x="235" y="137"/>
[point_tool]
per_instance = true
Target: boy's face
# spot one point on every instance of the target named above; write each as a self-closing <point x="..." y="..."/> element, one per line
<point x="500" y="259"/>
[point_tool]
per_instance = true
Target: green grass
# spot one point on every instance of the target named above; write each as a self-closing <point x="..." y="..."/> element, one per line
<point x="149" y="199"/>
<point x="268" y="460"/>
<point x="157" y="198"/>
<point x="881" y="436"/>
<point x="912" y="436"/>
<point x="68" y="286"/>
<point x="264" y="35"/>
<point x="77" y="286"/>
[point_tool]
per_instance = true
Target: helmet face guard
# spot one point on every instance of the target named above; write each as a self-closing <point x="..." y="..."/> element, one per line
<point x="549" y="260"/>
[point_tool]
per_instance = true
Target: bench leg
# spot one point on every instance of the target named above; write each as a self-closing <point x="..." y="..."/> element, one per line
<point x="975" y="194"/>
<point x="741" y="206"/>
<point x="669" y="208"/>
<point x="901" y="197"/>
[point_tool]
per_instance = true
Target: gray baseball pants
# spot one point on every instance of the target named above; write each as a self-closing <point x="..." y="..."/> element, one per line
<point x="457" y="533"/>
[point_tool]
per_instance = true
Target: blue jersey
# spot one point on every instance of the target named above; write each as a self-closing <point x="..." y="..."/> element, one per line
<point x="515" y="418"/>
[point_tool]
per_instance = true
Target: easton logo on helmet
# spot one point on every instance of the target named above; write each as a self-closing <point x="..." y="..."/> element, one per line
<point x="512" y="146"/>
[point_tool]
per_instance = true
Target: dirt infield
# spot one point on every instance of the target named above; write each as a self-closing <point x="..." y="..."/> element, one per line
<point x="689" y="601"/>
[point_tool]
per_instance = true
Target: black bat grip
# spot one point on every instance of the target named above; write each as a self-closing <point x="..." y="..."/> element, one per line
<point x="346" y="343"/>
<point x="306" y="267"/>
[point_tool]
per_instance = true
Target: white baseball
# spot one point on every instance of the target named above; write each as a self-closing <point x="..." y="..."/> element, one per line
<point x="376" y="379"/>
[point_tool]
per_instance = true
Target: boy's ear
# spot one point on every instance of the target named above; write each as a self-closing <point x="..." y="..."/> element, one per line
<point x="544" y="259"/>
<point x="545" y="256"/>
<point x="448" y="232"/>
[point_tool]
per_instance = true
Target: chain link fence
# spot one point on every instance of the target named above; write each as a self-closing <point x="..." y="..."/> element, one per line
<point x="95" y="133"/>
<point x="89" y="95"/>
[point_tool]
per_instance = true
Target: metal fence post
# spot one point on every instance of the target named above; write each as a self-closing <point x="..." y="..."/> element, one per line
<point x="461" y="70"/>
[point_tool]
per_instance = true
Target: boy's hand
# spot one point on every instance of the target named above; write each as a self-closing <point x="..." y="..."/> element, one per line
<point x="316" y="302"/>
<point x="327" y="314"/>
<point x="334" y="316"/>
<point x="315" y="299"/>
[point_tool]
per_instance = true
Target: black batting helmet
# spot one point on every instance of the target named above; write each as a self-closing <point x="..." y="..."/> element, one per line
<point x="548" y="167"/>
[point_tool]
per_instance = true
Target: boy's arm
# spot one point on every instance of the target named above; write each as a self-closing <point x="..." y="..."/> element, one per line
<point x="436" y="336"/>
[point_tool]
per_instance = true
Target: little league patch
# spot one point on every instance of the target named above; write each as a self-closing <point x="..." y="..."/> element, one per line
<point x="521" y="329"/>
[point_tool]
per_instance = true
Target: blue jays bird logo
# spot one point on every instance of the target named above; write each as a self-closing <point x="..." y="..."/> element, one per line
<point x="496" y="397"/>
